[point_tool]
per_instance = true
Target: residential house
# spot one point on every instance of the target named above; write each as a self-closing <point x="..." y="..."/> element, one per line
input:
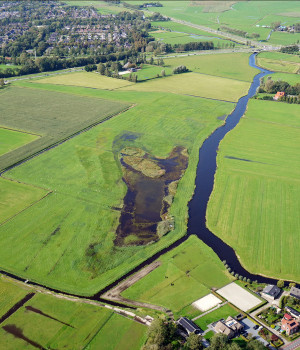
<point x="289" y="326"/>
<point x="293" y="312"/>
<point x="271" y="292"/>
<point x="278" y="95"/>
<point x="295" y="292"/>
<point x="230" y="327"/>
<point x="189" y="326"/>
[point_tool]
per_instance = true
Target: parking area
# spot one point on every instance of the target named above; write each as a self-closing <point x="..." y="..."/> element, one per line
<point x="239" y="296"/>
<point x="250" y="329"/>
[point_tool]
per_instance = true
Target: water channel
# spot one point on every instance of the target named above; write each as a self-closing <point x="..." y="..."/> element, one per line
<point x="205" y="180"/>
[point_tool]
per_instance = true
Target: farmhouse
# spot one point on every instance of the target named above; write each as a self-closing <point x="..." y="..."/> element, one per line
<point x="230" y="327"/>
<point x="271" y="292"/>
<point x="278" y="95"/>
<point x="290" y="326"/>
<point x="295" y="292"/>
<point x="188" y="325"/>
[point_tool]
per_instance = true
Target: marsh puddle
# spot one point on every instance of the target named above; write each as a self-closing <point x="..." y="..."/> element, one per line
<point x="151" y="186"/>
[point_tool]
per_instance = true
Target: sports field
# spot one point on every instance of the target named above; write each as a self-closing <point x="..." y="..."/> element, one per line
<point x="280" y="62"/>
<point x="239" y="296"/>
<point x="195" y="84"/>
<point x="76" y="223"/>
<point x="186" y="274"/>
<point x="255" y="202"/>
<point x="51" y="115"/>
<point x="12" y="139"/>
<point x="46" y="322"/>
<point x="230" y="65"/>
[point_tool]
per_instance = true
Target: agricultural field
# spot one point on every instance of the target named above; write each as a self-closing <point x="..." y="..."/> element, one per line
<point x="102" y="6"/>
<point x="186" y="274"/>
<point x="53" y="116"/>
<point x="90" y="80"/>
<point x="12" y="139"/>
<point x="16" y="197"/>
<point x="246" y="16"/>
<point x="230" y="65"/>
<point x="216" y="315"/>
<point x="10" y="294"/>
<point x="195" y="84"/>
<point x="284" y="38"/>
<point x="277" y="61"/>
<point x="77" y="221"/>
<point x="292" y="79"/>
<point x="130" y="335"/>
<point x="48" y="322"/>
<point x="180" y="28"/>
<point x="173" y="38"/>
<point x="255" y="202"/>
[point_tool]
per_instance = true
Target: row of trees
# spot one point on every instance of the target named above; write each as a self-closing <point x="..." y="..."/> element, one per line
<point x="270" y="86"/>
<point x="290" y="49"/>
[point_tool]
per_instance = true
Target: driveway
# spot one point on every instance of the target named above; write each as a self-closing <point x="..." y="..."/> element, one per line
<point x="249" y="327"/>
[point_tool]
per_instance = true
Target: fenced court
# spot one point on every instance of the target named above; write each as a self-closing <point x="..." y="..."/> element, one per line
<point x="239" y="297"/>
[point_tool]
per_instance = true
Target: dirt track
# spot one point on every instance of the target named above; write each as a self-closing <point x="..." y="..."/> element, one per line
<point x="115" y="293"/>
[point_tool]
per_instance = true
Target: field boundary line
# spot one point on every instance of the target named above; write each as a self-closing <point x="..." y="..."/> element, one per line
<point x="21" y="211"/>
<point x="20" y="131"/>
<point x="57" y="143"/>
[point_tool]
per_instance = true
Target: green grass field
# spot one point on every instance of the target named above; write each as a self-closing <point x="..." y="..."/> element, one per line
<point x="254" y="205"/>
<point x="5" y="66"/>
<point x="50" y="323"/>
<point x="15" y="197"/>
<point x="12" y="139"/>
<point x="150" y="72"/>
<point x="91" y="80"/>
<point x="240" y="15"/>
<point x="10" y="294"/>
<point x="284" y="38"/>
<point x="222" y="312"/>
<point x="119" y="333"/>
<point x="180" y="28"/>
<point x="231" y="65"/>
<point x="292" y="79"/>
<point x="102" y="6"/>
<point x="78" y="213"/>
<point x="52" y="115"/>
<point x="186" y="274"/>
<point x="195" y="84"/>
<point x="277" y="61"/>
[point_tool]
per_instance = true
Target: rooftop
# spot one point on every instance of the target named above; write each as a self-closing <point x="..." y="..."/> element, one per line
<point x="271" y="290"/>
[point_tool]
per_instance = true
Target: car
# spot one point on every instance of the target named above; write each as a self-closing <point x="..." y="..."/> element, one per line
<point x="256" y="326"/>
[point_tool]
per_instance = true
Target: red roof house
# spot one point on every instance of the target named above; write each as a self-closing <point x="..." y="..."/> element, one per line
<point x="290" y="326"/>
<point x="287" y="317"/>
<point x="278" y="95"/>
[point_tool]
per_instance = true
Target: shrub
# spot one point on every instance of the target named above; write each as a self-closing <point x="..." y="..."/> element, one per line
<point x="178" y="70"/>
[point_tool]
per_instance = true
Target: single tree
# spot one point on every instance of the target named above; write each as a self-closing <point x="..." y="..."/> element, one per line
<point x="280" y="284"/>
<point x="193" y="342"/>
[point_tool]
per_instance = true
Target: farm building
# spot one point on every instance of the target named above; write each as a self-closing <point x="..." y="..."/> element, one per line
<point x="271" y="292"/>
<point x="295" y="292"/>
<point x="189" y="326"/>
<point x="278" y="95"/>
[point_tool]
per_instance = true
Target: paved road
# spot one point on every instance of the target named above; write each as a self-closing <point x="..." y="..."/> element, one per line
<point x="292" y="346"/>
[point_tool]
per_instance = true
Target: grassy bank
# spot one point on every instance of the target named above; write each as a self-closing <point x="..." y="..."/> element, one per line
<point x="255" y="202"/>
